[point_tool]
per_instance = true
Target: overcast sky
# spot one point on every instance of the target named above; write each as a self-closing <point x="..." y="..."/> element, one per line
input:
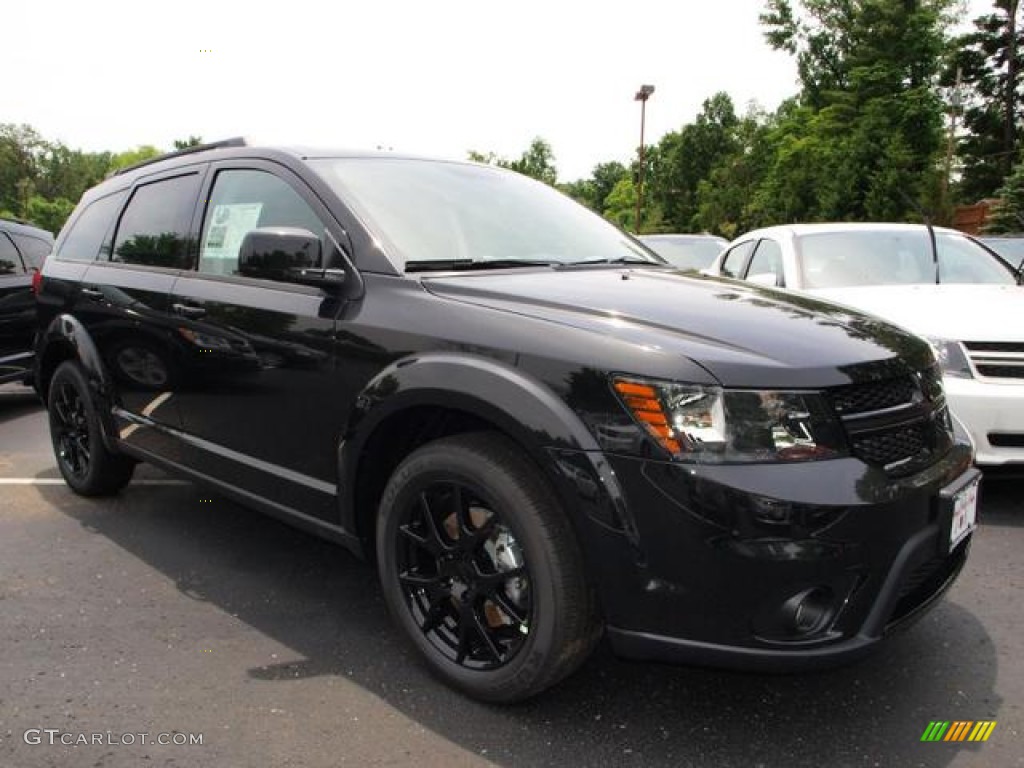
<point x="437" y="78"/>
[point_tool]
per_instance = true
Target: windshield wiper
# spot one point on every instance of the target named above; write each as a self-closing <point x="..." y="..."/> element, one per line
<point x="615" y="260"/>
<point x="455" y="265"/>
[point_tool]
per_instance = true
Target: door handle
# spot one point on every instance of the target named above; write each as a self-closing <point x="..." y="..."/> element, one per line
<point x="190" y="311"/>
<point x="92" y="293"/>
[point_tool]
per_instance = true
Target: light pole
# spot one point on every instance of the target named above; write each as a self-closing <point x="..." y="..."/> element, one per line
<point x="642" y="95"/>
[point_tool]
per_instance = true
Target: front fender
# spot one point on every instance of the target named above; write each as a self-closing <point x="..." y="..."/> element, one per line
<point x="521" y="406"/>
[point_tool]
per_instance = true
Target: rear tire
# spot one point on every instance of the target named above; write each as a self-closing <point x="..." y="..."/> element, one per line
<point x="481" y="568"/>
<point x="83" y="459"/>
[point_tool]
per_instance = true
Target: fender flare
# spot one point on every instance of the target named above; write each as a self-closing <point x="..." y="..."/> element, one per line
<point x="520" y="405"/>
<point x="67" y="331"/>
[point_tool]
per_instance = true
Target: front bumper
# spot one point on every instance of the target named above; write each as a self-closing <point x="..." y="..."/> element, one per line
<point x="712" y="564"/>
<point x="991" y="411"/>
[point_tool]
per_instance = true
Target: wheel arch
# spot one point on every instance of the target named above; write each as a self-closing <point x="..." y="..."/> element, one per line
<point x="417" y="400"/>
<point x="65" y="338"/>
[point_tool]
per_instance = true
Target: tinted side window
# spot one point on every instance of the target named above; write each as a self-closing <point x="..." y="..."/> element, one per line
<point x="732" y="264"/>
<point x="89" y="231"/>
<point x="767" y="260"/>
<point x="241" y="201"/>
<point x="154" y="226"/>
<point x="33" y="250"/>
<point x="10" y="263"/>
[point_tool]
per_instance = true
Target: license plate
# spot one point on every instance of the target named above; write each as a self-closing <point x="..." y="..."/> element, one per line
<point x="965" y="513"/>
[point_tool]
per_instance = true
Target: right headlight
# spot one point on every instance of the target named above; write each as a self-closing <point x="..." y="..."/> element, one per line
<point x="714" y="425"/>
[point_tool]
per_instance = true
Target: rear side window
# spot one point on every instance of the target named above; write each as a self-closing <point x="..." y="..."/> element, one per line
<point x="33" y="250"/>
<point x="10" y="263"/>
<point x="89" y="231"/>
<point x="154" y="227"/>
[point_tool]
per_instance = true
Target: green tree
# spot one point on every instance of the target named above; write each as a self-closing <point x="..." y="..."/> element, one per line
<point x="538" y="161"/>
<point x="605" y="176"/>
<point x="581" y="190"/>
<point x="191" y="141"/>
<point x="620" y="208"/>
<point x="863" y="139"/>
<point x="620" y="205"/>
<point x="724" y="198"/>
<point x="138" y="155"/>
<point x="989" y="59"/>
<point x="49" y="214"/>
<point x="594" y="191"/>
<point x="684" y="158"/>
<point x="66" y="173"/>
<point x="20" y="147"/>
<point x="1008" y="214"/>
<point x="487" y="158"/>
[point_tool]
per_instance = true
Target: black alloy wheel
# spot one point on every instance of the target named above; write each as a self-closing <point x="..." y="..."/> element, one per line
<point x="463" y="575"/>
<point x="70" y="428"/>
<point x="481" y="568"/>
<point x="83" y="459"/>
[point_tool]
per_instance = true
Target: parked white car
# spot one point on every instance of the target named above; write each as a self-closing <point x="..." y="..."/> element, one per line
<point x="952" y="290"/>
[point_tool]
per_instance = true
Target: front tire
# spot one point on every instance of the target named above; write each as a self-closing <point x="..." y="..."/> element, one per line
<point x="75" y="430"/>
<point x="481" y="568"/>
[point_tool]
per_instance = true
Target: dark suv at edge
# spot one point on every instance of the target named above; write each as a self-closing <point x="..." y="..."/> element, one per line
<point x="23" y="248"/>
<point x="538" y="429"/>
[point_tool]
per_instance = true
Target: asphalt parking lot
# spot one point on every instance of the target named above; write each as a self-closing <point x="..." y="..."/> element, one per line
<point x="170" y="612"/>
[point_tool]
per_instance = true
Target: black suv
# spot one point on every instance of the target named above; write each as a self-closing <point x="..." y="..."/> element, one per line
<point x="539" y="430"/>
<point x="23" y="249"/>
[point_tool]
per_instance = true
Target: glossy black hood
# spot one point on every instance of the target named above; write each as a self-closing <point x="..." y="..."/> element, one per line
<point x="744" y="335"/>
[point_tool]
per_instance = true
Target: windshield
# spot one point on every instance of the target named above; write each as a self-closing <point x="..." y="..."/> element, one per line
<point x="426" y="211"/>
<point x="895" y="257"/>
<point x="1010" y="248"/>
<point x="686" y="252"/>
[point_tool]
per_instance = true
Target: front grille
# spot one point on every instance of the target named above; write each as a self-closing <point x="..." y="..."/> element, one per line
<point x="899" y="423"/>
<point x="997" y="359"/>
<point x="873" y="396"/>
<point x="891" y="445"/>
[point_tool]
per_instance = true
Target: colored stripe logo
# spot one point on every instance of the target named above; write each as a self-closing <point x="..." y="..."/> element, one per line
<point x="958" y="730"/>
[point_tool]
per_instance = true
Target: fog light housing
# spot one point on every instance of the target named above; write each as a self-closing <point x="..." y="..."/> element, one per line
<point x="808" y="612"/>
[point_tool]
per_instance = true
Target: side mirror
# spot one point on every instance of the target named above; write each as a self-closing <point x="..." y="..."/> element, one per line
<point x="767" y="279"/>
<point x="286" y="254"/>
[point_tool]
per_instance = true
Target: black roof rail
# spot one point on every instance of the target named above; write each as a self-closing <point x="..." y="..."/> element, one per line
<point x="236" y="141"/>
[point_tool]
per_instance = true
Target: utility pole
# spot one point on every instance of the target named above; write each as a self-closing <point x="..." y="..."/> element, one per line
<point x="1010" y="96"/>
<point x="950" y="144"/>
<point x="642" y="95"/>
